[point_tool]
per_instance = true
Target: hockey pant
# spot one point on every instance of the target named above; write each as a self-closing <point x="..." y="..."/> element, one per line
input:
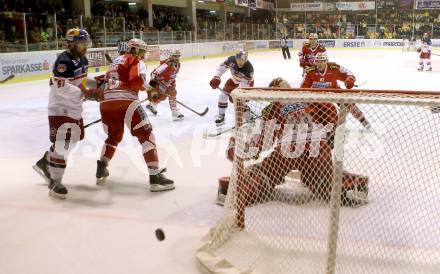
<point x="116" y="114"/>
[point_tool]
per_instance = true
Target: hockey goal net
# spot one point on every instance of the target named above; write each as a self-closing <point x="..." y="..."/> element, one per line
<point x="313" y="190"/>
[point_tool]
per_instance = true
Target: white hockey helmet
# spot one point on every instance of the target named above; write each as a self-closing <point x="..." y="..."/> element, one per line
<point x="137" y="44"/>
<point x="175" y="53"/>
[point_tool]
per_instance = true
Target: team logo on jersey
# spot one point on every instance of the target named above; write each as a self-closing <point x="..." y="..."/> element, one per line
<point x="293" y="107"/>
<point x="61" y="68"/>
<point x="321" y="85"/>
<point x="321" y="79"/>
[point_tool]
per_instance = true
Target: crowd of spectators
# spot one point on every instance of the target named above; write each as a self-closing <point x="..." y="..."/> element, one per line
<point x="44" y="21"/>
<point x="363" y="24"/>
<point x="40" y="19"/>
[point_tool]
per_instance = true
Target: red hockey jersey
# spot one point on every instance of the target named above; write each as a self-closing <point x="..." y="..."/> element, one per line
<point x="307" y="54"/>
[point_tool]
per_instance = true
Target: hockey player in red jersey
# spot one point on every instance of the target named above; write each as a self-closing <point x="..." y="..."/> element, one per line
<point x="425" y="53"/>
<point x="309" y="50"/>
<point x="120" y="105"/>
<point x="314" y="160"/>
<point x="66" y="97"/>
<point x="163" y="78"/>
<point x="326" y="74"/>
<point x="242" y="75"/>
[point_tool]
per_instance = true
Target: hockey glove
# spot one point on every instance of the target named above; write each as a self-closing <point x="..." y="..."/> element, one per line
<point x="215" y="82"/>
<point x="93" y="94"/>
<point x="303" y="63"/>
<point x="349" y="82"/>
<point x="100" y="80"/>
<point x="155" y="96"/>
<point x="153" y="83"/>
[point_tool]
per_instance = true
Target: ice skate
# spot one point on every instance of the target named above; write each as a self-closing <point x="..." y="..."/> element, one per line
<point x="158" y="181"/>
<point x="101" y="172"/>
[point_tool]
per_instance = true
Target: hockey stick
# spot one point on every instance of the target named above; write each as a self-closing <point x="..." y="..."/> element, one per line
<point x="361" y="84"/>
<point x="190" y="109"/>
<point x="108" y="58"/>
<point x="435" y="54"/>
<point x="7" y="78"/>
<point x="218" y="133"/>
<point x="143" y="101"/>
<point x="99" y="120"/>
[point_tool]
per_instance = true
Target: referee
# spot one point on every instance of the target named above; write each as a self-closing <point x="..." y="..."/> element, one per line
<point x="285" y="47"/>
<point x="122" y="47"/>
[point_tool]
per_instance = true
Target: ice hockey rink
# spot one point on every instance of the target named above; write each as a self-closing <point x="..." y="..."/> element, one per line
<point x="110" y="229"/>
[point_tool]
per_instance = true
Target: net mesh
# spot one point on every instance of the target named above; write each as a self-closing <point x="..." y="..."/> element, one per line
<point x="327" y="182"/>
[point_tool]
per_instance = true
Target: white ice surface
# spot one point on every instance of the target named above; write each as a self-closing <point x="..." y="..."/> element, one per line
<point x="110" y="229"/>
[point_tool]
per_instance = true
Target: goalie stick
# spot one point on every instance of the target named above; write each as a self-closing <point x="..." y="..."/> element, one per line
<point x="7" y="78"/>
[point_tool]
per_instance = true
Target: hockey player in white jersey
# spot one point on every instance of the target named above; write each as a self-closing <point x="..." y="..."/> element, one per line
<point x="66" y="97"/>
<point x="242" y="76"/>
<point x="425" y="53"/>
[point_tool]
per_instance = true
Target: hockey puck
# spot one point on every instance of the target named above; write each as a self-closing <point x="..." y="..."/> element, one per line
<point x="160" y="235"/>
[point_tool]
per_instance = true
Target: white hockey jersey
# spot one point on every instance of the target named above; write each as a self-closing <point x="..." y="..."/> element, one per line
<point x="66" y="97"/>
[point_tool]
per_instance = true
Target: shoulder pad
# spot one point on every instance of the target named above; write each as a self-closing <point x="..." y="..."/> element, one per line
<point x="333" y="65"/>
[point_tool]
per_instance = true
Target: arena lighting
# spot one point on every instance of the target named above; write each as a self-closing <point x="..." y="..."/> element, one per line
<point x="132" y="4"/>
<point x="212" y="11"/>
<point x="201" y="1"/>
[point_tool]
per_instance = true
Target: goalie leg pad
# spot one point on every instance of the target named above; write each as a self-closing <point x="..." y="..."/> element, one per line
<point x="260" y="180"/>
